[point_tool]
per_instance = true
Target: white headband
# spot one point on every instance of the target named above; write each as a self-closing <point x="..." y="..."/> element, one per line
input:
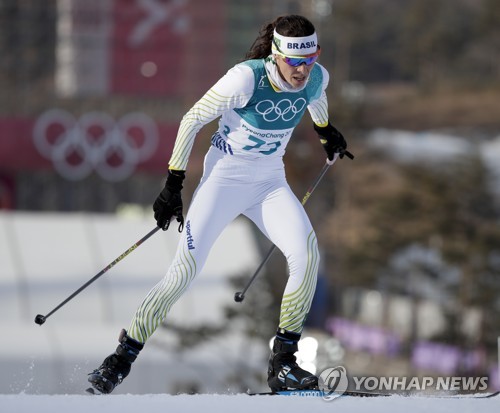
<point x="295" y="46"/>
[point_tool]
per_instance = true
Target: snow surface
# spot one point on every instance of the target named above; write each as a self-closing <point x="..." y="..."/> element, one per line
<point x="240" y="403"/>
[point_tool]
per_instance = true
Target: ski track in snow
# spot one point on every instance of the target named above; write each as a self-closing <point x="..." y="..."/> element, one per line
<point x="240" y="403"/>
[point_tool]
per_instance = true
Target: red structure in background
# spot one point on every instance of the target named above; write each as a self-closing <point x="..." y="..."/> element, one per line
<point x="7" y="191"/>
<point x="18" y="150"/>
<point x="166" y="48"/>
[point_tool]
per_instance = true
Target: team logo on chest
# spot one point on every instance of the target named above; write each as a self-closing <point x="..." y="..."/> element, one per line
<point x="284" y="109"/>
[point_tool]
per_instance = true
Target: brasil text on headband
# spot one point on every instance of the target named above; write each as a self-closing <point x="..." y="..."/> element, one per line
<point x="295" y="46"/>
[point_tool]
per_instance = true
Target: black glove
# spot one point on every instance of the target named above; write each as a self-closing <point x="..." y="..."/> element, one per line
<point x="169" y="202"/>
<point x="332" y="140"/>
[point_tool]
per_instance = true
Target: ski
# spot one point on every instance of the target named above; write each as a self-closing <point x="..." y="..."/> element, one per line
<point x="462" y="395"/>
<point x="318" y="393"/>
<point x="354" y="393"/>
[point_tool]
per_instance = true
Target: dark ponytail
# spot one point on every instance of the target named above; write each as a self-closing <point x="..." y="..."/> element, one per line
<point x="291" y="26"/>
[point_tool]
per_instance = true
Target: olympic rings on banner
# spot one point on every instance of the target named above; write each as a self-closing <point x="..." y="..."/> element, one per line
<point x="95" y="142"/>
<point x="284" y="109"/>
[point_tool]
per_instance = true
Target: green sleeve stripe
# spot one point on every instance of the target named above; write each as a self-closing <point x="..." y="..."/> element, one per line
<point x="208" y="108"/>
<point x="204" y="111"/>
<point x="319" y="109"/>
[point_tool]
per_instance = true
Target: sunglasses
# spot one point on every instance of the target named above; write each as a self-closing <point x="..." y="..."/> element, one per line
<point x="295" y="61"/>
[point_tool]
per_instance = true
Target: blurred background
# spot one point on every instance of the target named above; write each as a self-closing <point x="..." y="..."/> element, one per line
<point x="91" y="95"/>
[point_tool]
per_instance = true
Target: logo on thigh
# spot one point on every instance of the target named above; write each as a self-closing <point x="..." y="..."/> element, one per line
<point x="189" y="237"/>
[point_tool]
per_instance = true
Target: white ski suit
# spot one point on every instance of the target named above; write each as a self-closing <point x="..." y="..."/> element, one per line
<point x="244" y="174"/>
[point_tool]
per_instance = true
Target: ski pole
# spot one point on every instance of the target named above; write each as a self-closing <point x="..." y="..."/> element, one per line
<point x="240" y="295"/>
<point x="40" y="319"/>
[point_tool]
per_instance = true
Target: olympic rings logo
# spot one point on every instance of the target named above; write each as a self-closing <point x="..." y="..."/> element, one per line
<point x="284" y="109"/>
<point x="95" y="142"/>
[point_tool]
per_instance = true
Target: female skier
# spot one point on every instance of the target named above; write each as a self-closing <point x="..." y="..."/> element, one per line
<point x="259" y="102"/>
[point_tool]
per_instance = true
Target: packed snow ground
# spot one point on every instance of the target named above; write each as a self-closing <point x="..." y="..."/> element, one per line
<point x="240" y="403"/>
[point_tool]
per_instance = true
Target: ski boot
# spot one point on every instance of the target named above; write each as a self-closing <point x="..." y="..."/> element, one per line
<point x="116" y="366"/>
<point x="283" y="372"/>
